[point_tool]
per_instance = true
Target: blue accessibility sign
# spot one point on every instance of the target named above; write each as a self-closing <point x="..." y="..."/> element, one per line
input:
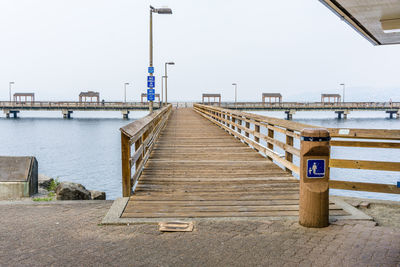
<point x="151" y="91"/>
<point x="151" y="70"/>
<point x="150" y="97"/>
<point x="151" y="78"/>
<point x="315" y="168"/>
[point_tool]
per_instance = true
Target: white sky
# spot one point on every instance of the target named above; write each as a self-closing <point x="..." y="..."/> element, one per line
<point x="58" y="48"/>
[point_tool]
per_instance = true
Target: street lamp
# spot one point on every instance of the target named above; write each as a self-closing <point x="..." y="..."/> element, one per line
<point x="235" y="84"/>
<point x="344" y="88"/>
<point x="9" y="87"/>
<point x="163" y="10"/>
<point x="125" y="84"/>
<point x="166" y="78"/>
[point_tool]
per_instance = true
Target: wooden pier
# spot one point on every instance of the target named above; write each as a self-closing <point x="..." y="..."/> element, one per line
<point x="68" y="107"/>
<point x="210" y="162"/>
<point x="198" y="170"/>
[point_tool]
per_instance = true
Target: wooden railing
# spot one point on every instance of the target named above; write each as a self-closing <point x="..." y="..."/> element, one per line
<point x="252" y="129"/>
<point x="365" y="138"/>
<point x="72" y="105"/>
<point x="312" y="105"/>
<point x="137" y="141"/>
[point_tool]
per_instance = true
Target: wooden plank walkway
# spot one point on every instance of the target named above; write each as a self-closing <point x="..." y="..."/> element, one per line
<point x="198" y="170"/>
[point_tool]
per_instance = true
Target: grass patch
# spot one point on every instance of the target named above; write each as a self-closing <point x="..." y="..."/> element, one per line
<point x="43" y="199"/>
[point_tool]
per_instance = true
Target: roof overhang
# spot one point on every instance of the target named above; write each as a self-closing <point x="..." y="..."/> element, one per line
<point x="376" y="20"/>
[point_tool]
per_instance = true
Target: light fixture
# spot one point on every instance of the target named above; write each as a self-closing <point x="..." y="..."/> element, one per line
<point x="162" y="10"/>
<point x="390" y="25"/>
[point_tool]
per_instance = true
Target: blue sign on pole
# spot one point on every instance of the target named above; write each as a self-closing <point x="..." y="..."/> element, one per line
<point x="151" y="70"/>
<point x="398" y="184"/>
<point x="315" y="168"/>
<point x="151" y="81"/>
<point x="150" y="94"/>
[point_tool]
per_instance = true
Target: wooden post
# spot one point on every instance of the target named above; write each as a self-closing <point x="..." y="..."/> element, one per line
<point x="126" y="165"/>
<point x="288" y="155"/>
<point x="248" y="127"/>
<point x="233" y="123"/>
<point x="271" y="135"/>
<point x="257" y="130"/>
<point x="314" y="178"/>
<point x="240" y="123"/>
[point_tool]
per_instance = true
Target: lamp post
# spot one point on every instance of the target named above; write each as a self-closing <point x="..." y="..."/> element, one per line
<point x="9" y="87"/>
<point x="235" y="84"/>
<point x="162" y="90"/>
<point x="166" y="78"/>
<point x="163" y="10"/>
<point x="125" y="84"/>
<point x="344" y="89"/>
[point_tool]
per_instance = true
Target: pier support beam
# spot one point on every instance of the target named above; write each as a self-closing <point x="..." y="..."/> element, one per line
<point x="125" y="114"/>
<point x="289" y="114"/>
<point x="8" y="112"/>
<point x="391" y="112"/>
<point x="67" y="113"/>
<point x="342" y="112"/>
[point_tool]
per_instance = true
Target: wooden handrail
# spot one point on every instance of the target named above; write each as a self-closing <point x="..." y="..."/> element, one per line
<point x="240" y="124"/>
<point x="142" y="134"/>
<point x="232" y="121"/>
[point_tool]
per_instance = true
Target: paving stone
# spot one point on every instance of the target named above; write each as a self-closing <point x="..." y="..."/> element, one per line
<point x="70" y="235"/>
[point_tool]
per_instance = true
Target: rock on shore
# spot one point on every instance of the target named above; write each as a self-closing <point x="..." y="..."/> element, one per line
<point x="72" y="191"/>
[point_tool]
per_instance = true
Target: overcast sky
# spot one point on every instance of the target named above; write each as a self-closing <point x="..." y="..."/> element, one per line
<point x="58" y="48"/>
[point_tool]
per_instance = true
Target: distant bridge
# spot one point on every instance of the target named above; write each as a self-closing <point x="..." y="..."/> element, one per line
<point x="67" y="108"/>
<point x="290" y="108"/>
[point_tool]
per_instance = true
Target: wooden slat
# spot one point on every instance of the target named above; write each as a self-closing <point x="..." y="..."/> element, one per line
<point x="365" y="144"/>
<point x="369" y="187"/>
<point x="365" y="133"/>
<point x="364" y="165"/>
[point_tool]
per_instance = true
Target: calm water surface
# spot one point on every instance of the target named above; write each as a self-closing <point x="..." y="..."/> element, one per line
<point x="86" y="149"/>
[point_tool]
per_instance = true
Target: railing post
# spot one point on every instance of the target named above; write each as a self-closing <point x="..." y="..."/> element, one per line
<point x="233" y="123"/>
<point x="288" y="155"/>
<point x="126" y="165"/>
<point x="257" y="130"/>
<point x="271" y="135"/>
<point x="240" y="123"/>
<point x="314" y="178"/>
<point x="247" y="134"/>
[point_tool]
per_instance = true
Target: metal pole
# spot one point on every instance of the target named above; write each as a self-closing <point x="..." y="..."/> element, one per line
<point x="235" y="93"/>
<point x="9" y="87"/>
<point x="151" y="54"/>
<point x="162" y="91"/>
<point x="166" y="79"/>
<point x="125" y="93"/>
<point x="344" y="90"/>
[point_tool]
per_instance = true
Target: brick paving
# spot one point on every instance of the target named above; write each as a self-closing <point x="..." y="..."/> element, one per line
<point x="70" y="235"/>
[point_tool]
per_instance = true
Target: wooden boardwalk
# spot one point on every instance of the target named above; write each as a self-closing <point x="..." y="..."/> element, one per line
<point x="198" y="170"/>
